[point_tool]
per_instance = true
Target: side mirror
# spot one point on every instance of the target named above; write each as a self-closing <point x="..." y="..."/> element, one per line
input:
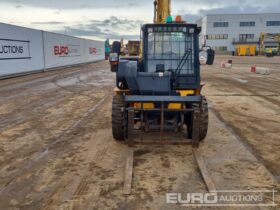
<point x="210" y="57"/>
<point x="116" y="47"/>
<point x="203" y="55"/>
<point x="114" y="56"/>
<point x="206" y="56"/>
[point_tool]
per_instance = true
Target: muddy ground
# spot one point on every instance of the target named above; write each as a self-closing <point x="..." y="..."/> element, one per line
<point x="57" y="150"/>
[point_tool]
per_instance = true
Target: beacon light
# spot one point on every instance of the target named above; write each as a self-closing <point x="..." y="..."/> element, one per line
<point x="169" y="19"/>
<point x="178" y="18"/>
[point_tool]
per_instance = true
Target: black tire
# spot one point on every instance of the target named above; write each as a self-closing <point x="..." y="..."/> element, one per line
<point x="203" y="124"/>
<point x="204" y="117"/>
<point x="118" y="118"/>
<point x="114" y="68"/>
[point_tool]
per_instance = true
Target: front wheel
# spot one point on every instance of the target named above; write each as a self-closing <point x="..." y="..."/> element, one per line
<point x="114" y="68"/>
<point x="118" y="118"/>
<point x="203" y="122"/>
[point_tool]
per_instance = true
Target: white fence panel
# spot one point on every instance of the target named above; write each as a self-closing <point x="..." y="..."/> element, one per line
<point x="24" y="50"/>
<point x="94" y="50"/>
<point x="61" y="50"/>
<point x="20" y="50"/>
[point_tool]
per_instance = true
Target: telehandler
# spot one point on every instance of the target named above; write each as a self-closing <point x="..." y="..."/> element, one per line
<point x="160" y="90"/>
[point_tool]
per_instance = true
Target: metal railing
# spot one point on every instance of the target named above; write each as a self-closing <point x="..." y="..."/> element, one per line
<point x="252" y="41"/>
<point x="245" y="41"/>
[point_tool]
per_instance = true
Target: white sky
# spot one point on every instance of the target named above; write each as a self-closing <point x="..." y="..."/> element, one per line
<point x="111" y="18"/>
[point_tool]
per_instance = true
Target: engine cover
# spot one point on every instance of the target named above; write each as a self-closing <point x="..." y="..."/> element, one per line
<point x="154" y="83"/>
<point x="144" y="83"/>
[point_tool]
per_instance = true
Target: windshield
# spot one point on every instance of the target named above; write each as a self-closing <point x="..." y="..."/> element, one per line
<point x="168" y="48"/>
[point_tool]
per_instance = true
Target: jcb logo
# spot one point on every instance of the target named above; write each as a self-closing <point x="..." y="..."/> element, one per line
<point x="61" y="50"/>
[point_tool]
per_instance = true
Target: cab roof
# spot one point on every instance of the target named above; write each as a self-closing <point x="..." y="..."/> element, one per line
<point x="168" y="25"/>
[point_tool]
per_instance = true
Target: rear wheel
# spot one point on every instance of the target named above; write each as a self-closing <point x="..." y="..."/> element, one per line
<point x="203" y="124"/>
<point x="118" y="118"/>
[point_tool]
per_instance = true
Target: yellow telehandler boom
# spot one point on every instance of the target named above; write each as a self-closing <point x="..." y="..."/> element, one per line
<point x="162" y="10"/>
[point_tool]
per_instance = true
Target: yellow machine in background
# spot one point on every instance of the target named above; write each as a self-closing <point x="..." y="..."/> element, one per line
<point x="123" y="49"/>
<point x="133" y="48"/>
<point x="266" y="50"/>
<point x="246" y="50"/>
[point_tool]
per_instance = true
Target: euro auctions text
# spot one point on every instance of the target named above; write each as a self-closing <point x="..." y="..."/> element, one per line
<point x="224" y="198"/>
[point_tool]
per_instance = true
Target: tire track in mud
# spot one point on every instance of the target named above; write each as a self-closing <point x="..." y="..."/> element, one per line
<point x="68" y="89"/>
<point x="235" y="131"/>
<point x="47" y="158"/>
<point x="54" y="185"/>
<point x="28" y="109"/>
<point x="267" y="83"/>
<point x="47" y="76"/>
<point x="38" y="122"/>
<point x="51" y="80"/>
<point x="42" y="104"/>
<point x="80" y="188"/>
<point x="49" y="151"/>
<point x="267" y="80"/>
<point x="232" y="84"/>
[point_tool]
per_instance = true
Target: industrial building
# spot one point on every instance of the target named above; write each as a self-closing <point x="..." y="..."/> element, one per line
<point x="224" y="32"/>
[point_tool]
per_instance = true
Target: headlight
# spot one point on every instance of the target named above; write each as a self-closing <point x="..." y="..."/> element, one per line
<point x="114" y="57"/>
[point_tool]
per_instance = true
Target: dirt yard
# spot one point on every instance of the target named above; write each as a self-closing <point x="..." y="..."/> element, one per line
<point x="57" y="150"/>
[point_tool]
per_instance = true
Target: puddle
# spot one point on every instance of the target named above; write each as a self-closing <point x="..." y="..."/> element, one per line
<point x="42" y="155"/>
<point x="67" y="82"/>
<point x="241" y="80"/>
